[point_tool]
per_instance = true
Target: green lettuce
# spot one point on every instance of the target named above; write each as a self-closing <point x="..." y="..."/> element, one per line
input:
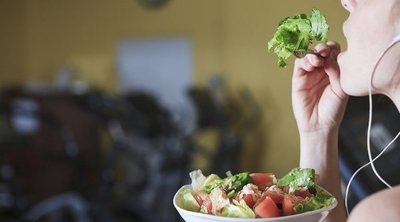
<point x="230" y="184"/>
<point x="198" y="179"/>
<point x="211" y="182"/>
<point x="299" y="178"/>
<point x="238" y="210"/>
<point x="188" y="201"/>
<point x="318" y="201"/>
<point x="297" y="33"/>
<point x="218" y="200"/>
<point x="235" y="183"/>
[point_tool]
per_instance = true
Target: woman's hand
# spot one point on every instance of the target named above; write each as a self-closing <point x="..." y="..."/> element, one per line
<point x="319" y="104"/>
<point x="318" y="99"/>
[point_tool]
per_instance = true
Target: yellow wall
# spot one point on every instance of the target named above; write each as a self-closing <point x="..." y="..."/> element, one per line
<point x="12" y="41"/>
<point x="78" y="32"/>
<point x="229" y="37"/>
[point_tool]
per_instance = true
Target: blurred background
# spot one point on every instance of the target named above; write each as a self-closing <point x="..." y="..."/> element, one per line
<point x="106" y="106"/>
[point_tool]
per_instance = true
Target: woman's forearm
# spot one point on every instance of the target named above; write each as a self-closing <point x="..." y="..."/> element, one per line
<point x="319" y="150"/>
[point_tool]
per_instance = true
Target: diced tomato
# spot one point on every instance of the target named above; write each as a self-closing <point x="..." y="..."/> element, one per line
<point x="207" y="204"/>
<point x="266" y="208"/>
<point x="275" y="193"/>
<point x="304" y="193"/>
<point x="288" y="205"/>
<point x="248" y="198"/>
<point x="202" y="196"/>
<point x="204" y="201"/>
<point x="276" y="197"/>
<point x="263" y="180"/>
<point x="198" y="198"/>
<point x="289" y="202"/>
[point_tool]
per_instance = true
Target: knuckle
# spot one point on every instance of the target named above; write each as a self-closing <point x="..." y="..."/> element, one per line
<point x="334" y="44"/>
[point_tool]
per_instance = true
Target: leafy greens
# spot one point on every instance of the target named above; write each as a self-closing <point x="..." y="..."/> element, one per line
<point x="320" y="200"/>
<point x="299" y="178"/>
<point x="297" y="33"/>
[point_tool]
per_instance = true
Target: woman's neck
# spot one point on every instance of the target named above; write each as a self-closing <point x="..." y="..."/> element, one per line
<point x="395" y="96"/>
<point x="392" y="69"/>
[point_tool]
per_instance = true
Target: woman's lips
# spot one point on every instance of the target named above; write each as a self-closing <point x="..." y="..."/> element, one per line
<point x="340" y="54"/>
<point x="340" y="57"/>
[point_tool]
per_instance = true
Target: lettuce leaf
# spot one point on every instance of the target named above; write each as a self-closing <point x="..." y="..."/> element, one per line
<point x="297" y="33"/>
<point x="299" y="178"/>
<point x="318" y="201"/>
<point x="319" y="26"/>
<point x="198" y="179"/>
<point x="188" y="201"/>
<point x="230" y="184"/>
<point x="211" y="182"/>
<point x="218" y="200"/>
<point x="235" y="183"/>
<point x="238" y="210"/>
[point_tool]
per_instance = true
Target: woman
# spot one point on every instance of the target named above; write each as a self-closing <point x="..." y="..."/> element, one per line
<point x="320" y="88"/>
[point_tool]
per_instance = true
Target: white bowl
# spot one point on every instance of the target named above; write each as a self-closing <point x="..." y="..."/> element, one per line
<point x="311" y="216"/>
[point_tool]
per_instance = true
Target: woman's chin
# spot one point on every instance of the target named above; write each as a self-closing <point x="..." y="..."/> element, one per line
<point x="354" y="89"/>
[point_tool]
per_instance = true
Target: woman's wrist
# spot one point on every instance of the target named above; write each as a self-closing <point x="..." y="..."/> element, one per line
<point x="319" y="150"/>
<point x="323" y="139"/>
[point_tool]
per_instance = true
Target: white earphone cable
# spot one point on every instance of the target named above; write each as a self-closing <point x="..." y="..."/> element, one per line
<point x="369" y="139"/>
<point x="365" y="165"/>
<point x="371" y="161"/>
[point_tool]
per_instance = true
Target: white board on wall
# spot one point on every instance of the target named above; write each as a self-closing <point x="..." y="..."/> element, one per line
<point x="161" y="67"/>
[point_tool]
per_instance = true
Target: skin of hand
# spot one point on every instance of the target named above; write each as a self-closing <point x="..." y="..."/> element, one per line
<point x="318" y="99"/>
<point x="319" y="104"/>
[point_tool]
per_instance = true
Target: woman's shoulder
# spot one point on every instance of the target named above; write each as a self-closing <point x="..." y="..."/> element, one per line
<point x="380" y="206"/>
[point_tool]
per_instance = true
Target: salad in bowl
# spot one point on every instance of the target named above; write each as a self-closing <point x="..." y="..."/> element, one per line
<point x="254" y="197"/>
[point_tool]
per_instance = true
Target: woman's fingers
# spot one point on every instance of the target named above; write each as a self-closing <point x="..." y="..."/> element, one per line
<point x="323" y="49"/>
<point x="332" y="70"/>
<point x="312" y="61"/>
<point x="309" y="63"/>
<point x="335" y="48"/>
